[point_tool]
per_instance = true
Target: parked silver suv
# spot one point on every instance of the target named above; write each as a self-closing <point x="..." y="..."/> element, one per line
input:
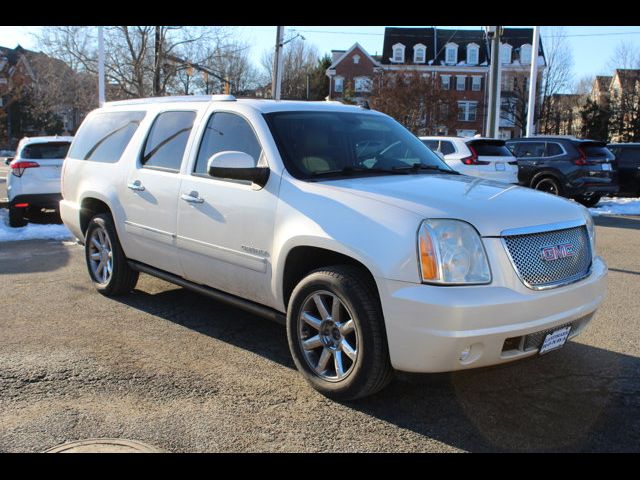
<point x="337" y="221"/>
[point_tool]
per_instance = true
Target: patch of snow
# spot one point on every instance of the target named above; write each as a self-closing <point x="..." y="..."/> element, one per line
<point x="616" y="206"/>
<point x="31" y="231"/>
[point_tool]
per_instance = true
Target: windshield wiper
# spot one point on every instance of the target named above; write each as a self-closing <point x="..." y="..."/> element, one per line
<point x="351" y="170"/>
<point x="416" y="167"/>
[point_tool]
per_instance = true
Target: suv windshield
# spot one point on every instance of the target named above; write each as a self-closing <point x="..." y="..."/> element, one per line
<point x="321" y="144"/>
<point x="49" y="151"/>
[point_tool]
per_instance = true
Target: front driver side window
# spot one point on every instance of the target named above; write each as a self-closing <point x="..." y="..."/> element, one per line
<point x="226" y="132"/>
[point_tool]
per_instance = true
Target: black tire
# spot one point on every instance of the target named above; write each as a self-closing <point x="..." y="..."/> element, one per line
<point x="548" y="185"/>
<point x="16" y="217"/>
<point x="123" y="278"/>
<point x="371" y="371"/>
<point x="589" y="202"/>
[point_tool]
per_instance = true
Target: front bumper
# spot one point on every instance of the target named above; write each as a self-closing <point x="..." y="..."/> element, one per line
<point x="429" y="326"/>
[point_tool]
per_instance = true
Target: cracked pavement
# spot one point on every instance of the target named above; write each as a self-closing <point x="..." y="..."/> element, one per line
<point x="186" y="374"/>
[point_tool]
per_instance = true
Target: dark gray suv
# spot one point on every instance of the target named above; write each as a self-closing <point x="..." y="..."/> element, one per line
<point x="574" y="168"/>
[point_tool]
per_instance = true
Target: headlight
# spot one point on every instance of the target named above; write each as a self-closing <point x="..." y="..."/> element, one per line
<point x="451" y="252"/>
<point x="591" y="229"/>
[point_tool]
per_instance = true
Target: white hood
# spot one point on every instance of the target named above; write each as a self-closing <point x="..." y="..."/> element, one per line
<point x="489" y="206"/>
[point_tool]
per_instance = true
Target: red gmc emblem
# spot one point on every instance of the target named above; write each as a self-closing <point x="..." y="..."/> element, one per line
<point x="555" y="252"/>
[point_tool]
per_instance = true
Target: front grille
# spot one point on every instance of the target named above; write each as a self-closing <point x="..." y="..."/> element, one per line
<point x="535" y="272"/>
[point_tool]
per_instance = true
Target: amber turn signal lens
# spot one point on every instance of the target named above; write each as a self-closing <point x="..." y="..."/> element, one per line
<point x="428" y="258"/>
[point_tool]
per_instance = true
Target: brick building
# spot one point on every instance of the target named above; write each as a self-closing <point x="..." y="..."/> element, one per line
<point x="459" y="58"/>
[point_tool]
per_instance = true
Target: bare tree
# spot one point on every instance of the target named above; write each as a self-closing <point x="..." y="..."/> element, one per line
<point x="415" y="100"/>
<point x="558" y="74"/>
<point x="140" y="60"/>
<point x="625" y="56"/>
<point x="300" y="60"/>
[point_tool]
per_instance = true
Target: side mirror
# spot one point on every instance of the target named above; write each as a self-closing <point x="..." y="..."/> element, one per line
<point x="9" y="160"/>
<point x="237" y="166"/>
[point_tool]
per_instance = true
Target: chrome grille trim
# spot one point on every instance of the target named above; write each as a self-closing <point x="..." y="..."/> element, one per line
<point x="523" y="251"/>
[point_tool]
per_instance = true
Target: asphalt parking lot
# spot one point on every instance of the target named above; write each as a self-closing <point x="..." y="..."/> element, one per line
<point x="186" y="374"/>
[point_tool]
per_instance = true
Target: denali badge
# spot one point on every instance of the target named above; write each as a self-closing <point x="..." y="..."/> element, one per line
<point x="555" y="252"/>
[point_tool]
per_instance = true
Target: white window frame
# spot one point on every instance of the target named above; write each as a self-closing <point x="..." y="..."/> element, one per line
<point x="476" y="83"/>
<point x="451" y="47"/>
<point x="463" y="83"/>
<point x="525" y="54"/>
<point x="473" y="47"/>
<point x="505" y="53"/>
<point x="357" y="81"/>
<point x="442" y="79"/>
<point x="465" y="110"/>
<point x="356" y="59"/>
<point x="335" y="84"/>
<point x="419" y="48"/>
<point x="398" y="47"/>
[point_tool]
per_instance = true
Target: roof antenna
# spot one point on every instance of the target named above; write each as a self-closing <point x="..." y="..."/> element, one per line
<point x="365" y="105"/>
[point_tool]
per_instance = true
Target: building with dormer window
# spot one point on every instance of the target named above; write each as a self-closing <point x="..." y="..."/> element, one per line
<point x="460" y="58"/>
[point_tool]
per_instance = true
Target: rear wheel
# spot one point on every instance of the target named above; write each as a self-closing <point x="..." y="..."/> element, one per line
<point x="16" y="217"/>
<point x="590" y="201"/>
<point x="336" y="333"/>
<point x="548" y="185"/>
<point x="107" y="264"/>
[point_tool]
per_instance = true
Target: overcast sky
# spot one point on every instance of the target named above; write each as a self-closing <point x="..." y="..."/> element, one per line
<point x="592" y="46"/>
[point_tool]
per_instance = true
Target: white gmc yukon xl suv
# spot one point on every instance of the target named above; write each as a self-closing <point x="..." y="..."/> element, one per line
<point x="336" y="220"/>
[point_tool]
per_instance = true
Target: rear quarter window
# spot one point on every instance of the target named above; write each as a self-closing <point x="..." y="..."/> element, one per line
<point x="104" y="136"/>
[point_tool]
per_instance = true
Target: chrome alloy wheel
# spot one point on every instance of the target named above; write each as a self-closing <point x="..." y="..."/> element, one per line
<point x="327" y="335"/>
<point x="100" y="255"/>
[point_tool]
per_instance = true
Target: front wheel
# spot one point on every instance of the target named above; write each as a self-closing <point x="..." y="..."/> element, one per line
<point x="336" y="334"/>
<point x="107" y="264"/>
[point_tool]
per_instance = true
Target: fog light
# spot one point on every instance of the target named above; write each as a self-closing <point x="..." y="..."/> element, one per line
<point x="464" y="355"/>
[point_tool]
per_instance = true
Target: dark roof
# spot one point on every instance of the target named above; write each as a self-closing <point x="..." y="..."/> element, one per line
<point x="628" y="77"/>
<point x="410" y="37"/>
<point x="603" y="81"/>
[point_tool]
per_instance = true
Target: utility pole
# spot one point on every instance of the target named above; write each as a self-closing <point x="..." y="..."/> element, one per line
<point x="532" y="83"/>
<point x="276" y="85"/>
<point x="156" y="70"/>
<point x="101" y="95"/>
<point x="493" y="116"/>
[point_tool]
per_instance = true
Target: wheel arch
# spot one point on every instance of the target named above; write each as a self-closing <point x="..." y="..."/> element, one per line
<point x="302" y="259"/>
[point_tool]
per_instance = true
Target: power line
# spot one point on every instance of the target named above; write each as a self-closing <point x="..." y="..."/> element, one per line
<point x="604" y="34"/>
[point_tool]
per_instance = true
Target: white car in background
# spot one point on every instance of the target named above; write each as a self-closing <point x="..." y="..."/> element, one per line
<point x="34" y="180"/>
<point x="479" y="157"/>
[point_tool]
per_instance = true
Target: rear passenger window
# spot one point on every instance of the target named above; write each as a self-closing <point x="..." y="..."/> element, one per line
<point x="432" y="144"/>
<point x="446" y="148"/>
<point x="554" y="149"/>
<point x="226" y="132"/>
<point x="167" y="140"/>
<point x="530" y="149"/>
<point x="104" y="136"/>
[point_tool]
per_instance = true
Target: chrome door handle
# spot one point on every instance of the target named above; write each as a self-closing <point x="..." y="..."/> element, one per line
<point x="137" y="186"/>
<point x="192" y="197"/>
